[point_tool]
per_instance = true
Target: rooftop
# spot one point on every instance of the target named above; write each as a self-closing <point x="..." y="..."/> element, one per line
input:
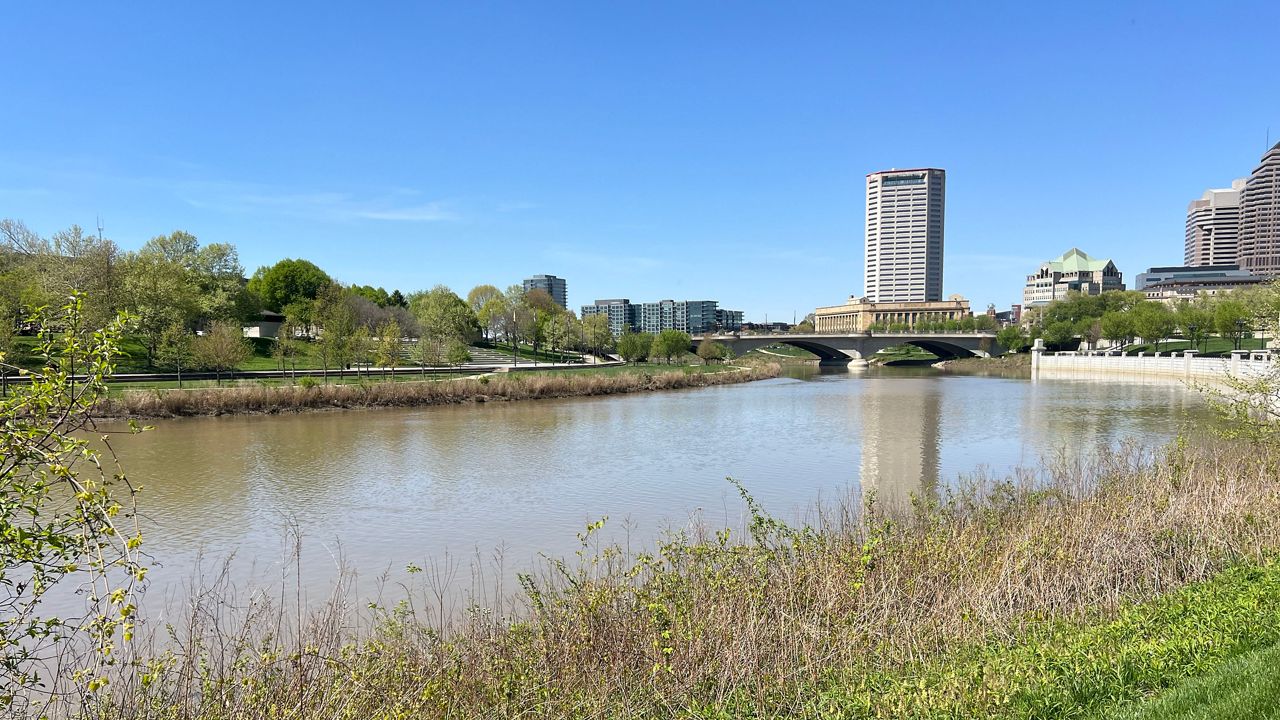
<point x="1076" y="260"/>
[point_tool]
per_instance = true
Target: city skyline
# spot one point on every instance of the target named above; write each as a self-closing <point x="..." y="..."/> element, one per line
<point x="523" y="140"/>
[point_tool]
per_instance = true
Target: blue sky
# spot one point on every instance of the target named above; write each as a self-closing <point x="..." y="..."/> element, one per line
<point x="644" y="150"/>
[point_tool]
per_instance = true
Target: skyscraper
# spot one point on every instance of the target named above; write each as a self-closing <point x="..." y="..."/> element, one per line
<point x="1260" y="217"/>
<point x="554" y="286"/>
<point x="905" y="211"/>
<point x="1213" y="227"/>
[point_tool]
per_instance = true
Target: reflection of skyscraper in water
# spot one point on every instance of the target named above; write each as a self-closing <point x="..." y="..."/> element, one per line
<point x="901" y="433"/>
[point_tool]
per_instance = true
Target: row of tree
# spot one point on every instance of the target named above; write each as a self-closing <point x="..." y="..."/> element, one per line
<point x="174" y="287"/>
<point x="939" y="324"/>
<point x="1124" y="316"/>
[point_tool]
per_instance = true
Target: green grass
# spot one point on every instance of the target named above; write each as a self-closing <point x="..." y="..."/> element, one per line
<point x="1070" y="670"/>
<point x="786" y="350"/>
<point x="1247" y="686"/>
<point x="1210" y="346"/>
<point x="525" y="352"/>
<point x="904" y="352"/>
<point x="651" y="368"/>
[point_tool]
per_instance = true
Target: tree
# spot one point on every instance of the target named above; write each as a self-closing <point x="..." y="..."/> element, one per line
<point x="8" y="329"/>
<point x="710" y="351"/>
<point x="1059" y="334"/>
<point x="222" y="348"/>
<point x="595" y="329"/>
<point x="286" y="347"/>
<point x="397" y="300"/>
<point x="1231" y="320"/>
<point x="458" y="354"/>
<point x="68" y="523"/>
<point x="1013" y="338"/>
<point x="175" y="349"/>
<point x="360" y="348"/>
<point x="337" y="321"/>
<point x="481" y="301"/>
<point x="443" y="318"/>
<point x="287" y="281"/>
<point x="1117" y="326"/>
<point x="634" y="346"/>
<point x="388" y="350"/>
<point x="1153" y="322"/>
<point x="1091" y="331"/>
<point x="1195" y="320"/>
<point x="159" y="293"/>
<point x="671" y="343"/>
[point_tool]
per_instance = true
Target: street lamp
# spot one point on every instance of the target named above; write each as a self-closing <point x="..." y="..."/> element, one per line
<point x="1239" y="331"/>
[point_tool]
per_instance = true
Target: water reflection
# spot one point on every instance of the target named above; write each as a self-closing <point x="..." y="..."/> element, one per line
<point x="901" y="438"/>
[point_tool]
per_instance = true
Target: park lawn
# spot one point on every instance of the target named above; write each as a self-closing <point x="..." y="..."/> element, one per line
<point x="525" y="352"/>
<point x="649" y="368"/>
<point x="1247" y="686"/>
<point x="786" y="350"/>
<point x="1210" y="346"/>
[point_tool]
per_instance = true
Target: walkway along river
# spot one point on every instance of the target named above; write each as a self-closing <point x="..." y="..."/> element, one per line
<point x="386" y="488"/>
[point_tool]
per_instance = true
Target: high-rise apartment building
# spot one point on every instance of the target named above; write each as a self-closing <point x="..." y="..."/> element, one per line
<point x="554" y="286"/>
<point x="1260" y="217"/>
<point x="692" y="316"/>
<point x="905" y="210"/>
<point x="1213" y="227"/>
<point x="622" y="315"/>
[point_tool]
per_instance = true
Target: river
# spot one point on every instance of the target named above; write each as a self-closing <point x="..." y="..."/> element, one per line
<point x="382" y="489"/>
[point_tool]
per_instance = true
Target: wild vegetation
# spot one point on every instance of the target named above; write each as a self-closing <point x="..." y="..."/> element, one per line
<point x="492" y="388"/>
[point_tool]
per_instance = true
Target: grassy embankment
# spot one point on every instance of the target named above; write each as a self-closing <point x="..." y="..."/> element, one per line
<point x="408" y="391"/>
<point x="1073" y="592"/>
<point x="1214" y="346"/>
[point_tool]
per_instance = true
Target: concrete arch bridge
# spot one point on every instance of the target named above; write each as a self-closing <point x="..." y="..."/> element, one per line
<point x="856" y="348"/>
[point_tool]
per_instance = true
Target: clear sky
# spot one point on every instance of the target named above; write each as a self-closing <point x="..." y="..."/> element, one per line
<point x="686" y="150"/>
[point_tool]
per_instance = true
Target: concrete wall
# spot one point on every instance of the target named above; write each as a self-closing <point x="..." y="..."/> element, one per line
<point x="1182" y="366"/>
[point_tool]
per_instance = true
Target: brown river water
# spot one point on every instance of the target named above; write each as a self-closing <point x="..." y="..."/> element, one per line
<point x="378" y="490"/>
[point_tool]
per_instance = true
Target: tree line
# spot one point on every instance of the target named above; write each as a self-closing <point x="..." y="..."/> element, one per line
<point x="190" y="301"/>
<point x="1122" y="317"/>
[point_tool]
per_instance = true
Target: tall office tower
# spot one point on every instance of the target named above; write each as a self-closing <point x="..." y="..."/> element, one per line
<point x="1260" y="217"/>
<point x="554" y="286"/>
<point x="1213" y="227"/>
<point x="905" y="211"/>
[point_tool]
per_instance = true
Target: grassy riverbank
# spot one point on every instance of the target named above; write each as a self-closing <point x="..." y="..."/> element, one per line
<point x="257" y="399"/>
<point x="1080" y="590"/>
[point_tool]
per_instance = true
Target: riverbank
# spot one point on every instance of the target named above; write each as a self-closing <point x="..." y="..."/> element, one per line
<point x="1007" y="365"/>
<point x="1073" y="591"/>
<point x="502" y="387"/>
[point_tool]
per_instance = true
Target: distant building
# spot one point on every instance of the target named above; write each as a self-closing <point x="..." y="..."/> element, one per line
<point x="554" y="286"/>
<point x="1171" y="291"/>
<point x="728" y="320"/>
<point x="1158" y="275"/>
<point x="1260" y="217"/>
<point x="859" y="314"/>
<point x="622" y="315"/>
<point x="267" y="325"/>
<point x="1073" y="270"/>
<point x="691" y="316"/>
<point x="1213" y="228"/>
<point x="904" y="234"/>
<point x="773" y="327"/>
